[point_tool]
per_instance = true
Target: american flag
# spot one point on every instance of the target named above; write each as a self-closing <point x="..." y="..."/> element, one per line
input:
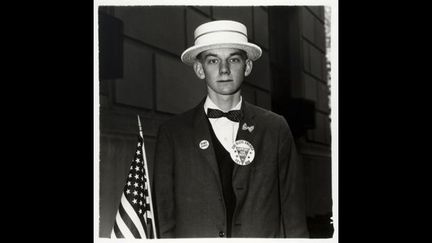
<point x="135" y="218"/>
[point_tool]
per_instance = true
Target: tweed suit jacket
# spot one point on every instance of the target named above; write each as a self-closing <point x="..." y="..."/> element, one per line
<point x="187" y="187"/>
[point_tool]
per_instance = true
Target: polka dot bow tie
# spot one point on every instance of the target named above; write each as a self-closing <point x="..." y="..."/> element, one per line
<point x="233" y="115"/>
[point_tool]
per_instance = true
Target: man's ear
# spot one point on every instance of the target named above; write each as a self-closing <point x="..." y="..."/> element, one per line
<point x="248" y="68"/>
<point x="199" y="71"/>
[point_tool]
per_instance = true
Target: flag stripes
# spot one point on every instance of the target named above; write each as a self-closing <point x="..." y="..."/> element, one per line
<point x="123" y="229"/>
<point x="117" y="232"/>
<point x="132" y="218"/>
<point x="129" y="223"/>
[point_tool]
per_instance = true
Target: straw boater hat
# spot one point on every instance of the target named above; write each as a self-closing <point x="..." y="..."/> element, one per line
<point x="220" y="34"/>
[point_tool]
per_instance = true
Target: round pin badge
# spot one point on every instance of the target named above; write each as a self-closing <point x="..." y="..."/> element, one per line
<point x="204" y="144"/>
<point x="242" y="152"/>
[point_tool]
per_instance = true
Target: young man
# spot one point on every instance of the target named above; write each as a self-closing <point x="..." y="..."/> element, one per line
<point x="227" y="168"/>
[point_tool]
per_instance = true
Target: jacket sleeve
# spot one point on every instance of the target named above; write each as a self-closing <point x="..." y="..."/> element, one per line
<point x="164" y="185"/>
<point x="291" y="184"/>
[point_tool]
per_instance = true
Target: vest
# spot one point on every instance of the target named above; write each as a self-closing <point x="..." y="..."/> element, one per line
<point x="226" y="166"/>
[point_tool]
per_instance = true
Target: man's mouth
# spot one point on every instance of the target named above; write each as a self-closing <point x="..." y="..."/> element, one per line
<point x="225" y="80"/>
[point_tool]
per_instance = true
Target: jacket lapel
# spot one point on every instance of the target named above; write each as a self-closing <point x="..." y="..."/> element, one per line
<point x="202" y="133"/>
<point x="246" y="130"/>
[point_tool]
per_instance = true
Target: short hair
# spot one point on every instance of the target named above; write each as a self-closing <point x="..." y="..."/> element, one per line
<point x="243" y="55"/>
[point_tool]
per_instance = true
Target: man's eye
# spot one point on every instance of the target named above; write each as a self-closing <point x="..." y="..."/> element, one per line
<point x="234" y="60"/>
<point x="212" y="61"/>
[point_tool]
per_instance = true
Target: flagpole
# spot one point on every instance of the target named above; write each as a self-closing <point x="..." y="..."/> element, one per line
<point x="148" y="178"/>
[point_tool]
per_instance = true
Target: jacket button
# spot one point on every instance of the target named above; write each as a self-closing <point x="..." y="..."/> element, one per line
<point x="221" y="234"/>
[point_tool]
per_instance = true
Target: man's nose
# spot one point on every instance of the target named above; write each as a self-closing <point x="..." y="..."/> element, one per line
<point x="224" y="68"/>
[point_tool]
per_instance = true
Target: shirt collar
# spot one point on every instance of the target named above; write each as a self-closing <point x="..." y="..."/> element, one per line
<point x="210" y="104"/>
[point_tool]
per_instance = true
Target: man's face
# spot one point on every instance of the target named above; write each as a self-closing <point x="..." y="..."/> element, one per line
<point x="223" y="69"/>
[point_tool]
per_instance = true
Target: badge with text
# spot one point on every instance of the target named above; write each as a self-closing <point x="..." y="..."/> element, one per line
<point x="204" y="144"/>
<point x="242" y="152"/>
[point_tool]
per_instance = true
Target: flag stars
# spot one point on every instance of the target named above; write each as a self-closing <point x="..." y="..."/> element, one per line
<point x="137" y="160"/>
<point x="140" y="211"/>
<point x="128" y="183"/>
<point x="138" y="152"/>
<point x="134" y="201"/>
<point x="135" y="192"/>
<point x="137" y="168"/>
<point x="136" y="184"/>
<point x="136" y="176"/>
<point x="127" y="191"/>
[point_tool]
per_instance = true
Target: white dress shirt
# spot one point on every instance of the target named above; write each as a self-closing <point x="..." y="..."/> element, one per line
<point x="225" y="129"/>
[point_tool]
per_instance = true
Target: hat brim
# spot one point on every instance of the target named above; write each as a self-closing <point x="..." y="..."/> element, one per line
<point x="189" y="55"/>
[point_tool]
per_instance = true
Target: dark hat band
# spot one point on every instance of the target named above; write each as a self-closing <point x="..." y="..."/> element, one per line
<point x="215" y="31"/>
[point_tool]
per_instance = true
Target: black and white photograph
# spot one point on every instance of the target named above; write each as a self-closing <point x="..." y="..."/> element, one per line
<point x="215" y="120"/>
